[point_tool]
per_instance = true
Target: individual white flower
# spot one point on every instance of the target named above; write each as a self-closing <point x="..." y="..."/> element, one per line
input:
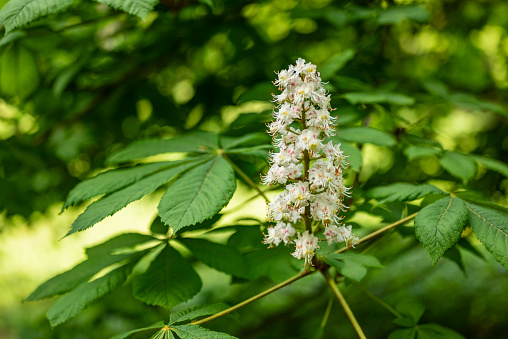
<point x="306" y="246"/>
<point x="309" y="140"/>
<point x="281" y="232"/>
<point x="299" y="194"/>
<point x="339" y="234"/>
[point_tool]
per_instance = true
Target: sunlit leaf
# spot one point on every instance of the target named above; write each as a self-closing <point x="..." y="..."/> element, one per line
<point x="394" y="15"/>
<point x="366" y="135"/>
<point x="459" y="165"/>
<point x="402" y="191"/>
<point x="19" y="73"/>
<point x="378" y="97"/>
<point x="415" y="152"/>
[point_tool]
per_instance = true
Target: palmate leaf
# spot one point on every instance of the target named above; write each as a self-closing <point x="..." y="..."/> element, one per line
<point x="169" y="281"/>
<point x="17" y="13"/>
<point x="123" y="335"/>
<point x="113" y="180"/>
<point x="99" y="257"/>
<point x="73" y="302"/>
<point x="135" y="7"/>
<point x="112" y="203"/>
<point x="200" y="142"/>
<point x="402" y="191"/>
<point x="198" y="194"/>
<point x="195" y="312"/>
<point x="491" y="228"/>
<point x="223" y="258"/>
<point x="439" y="225"/>
<point x="198" y="332"/>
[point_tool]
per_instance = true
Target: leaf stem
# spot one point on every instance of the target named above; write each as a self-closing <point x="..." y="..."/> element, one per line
<point x="254" y="298"/>
<point x="380" y="231"/>
<point x="343" y="303"/>
<point x="243" y="175"/>
<point x="327" y="313"/>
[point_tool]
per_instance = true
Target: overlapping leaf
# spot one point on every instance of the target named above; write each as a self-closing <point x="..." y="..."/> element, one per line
<point x="459" y="165"/>
<point x="352" y="265"/>
<point x="366" y="135"/>
<point x="378" y="97"/>
<point x="402" y="191"/>
<point x="135" y="7"/>
<point x="195" y="312"/>
<point x="198" y="194"/>
<point x="198" y="332"/>
<point x="439" y="225"/>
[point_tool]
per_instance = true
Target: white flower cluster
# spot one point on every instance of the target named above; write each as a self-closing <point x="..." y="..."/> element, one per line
<point x="310" y="169"/>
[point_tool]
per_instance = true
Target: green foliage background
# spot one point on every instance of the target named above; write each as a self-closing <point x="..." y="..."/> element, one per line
<point x="420" y="90"/>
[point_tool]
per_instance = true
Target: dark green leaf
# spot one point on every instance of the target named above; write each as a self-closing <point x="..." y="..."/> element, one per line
<point x="336" y="63"/>
<point x="158" y="227"/>
<point x="402" y="191"/>
<point x="195" y="312"/>
<point x="366" y="135"/>
<point x="198" y="332"/>
<point x="454" y="255"/>
<point x="114" y="202"/>
<point x="248" y="140"/>
<point x="198" y="194"/>
<point x="459" y="165"/>
<point x="435" y="331"/>
<point x="260" y="92"/>
<point x="200" y="142"/>
<point x="73" y="302"/>
<point x="135" y="7"/>
<point x="11" y="37"/>
<point x="352" y="265"/>
<point x="412" y="309"/>
<point x="439" y="225"/>
<point x="415" y="152"/>
<point x="470" y="102"/>
<point x="169" y="281"/>
<point x="394" y="15"/>
<point x="491" y="228"/>
<point x="124" y="335"/>
<point x="223" y="258"/>
<point x="492" y="164"/>
<point x="17" y="13"/>
<point x="404" y="333"/>
<point x="378" y="97"/>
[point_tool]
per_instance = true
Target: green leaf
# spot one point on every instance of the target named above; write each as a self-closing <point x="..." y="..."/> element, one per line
<point x="472" y="103"/>
<point x="395" y="15"/>
<point x="124" y="335"/>
<point x="261" y="151"/>
<point x="411" y="309"/>
<point x="158" y="227"/>
<point x="402" y="191"/>
<point x="439" y="225"/>
<point x="378" y="97"/>
<point x="19" y="73"/>
<point x="198" y="332"/>
<point x="113" y="180"/>
<point x="198" y="194"/>
<point x="403" y="333"/>
<point x="491" y="228"/>
<point x="17" y="13"/>
<point x="492" y="164"/>
<point x="195" y="312"/>
<point x="114" y="202"/>
<point x="336" y="63"/>
<point x="223" y="258"/>
<point x="259" y="92"/>
<point x="354" y="155"/>
<point x="459" y="165"/>
<point x="435" y="331"/>
<point x="135" y="7"/>
<point x="11" y="37"/>
<point x="198" y="142"/>
<point x="352" y="265"/>
<point x="366" y="135"/>
<point x="415" y="152"/>
<point x="248" y="140"/>
<point x="454" y="255"/>
<point x="169" y="281"/>
<point x="73" y="302"/>
<point x="99" y="257"/>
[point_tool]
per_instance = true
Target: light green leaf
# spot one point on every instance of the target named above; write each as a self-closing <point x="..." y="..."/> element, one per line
<point x="19" y="73"/>
<point x="124" y="335"/>
<point x="99" y="257"/>
<point x="223" y="258"/>
<point x="169" y="281"/>
<point x="17" y="13"/>
<point x="352" y="265"/>
<point x="378" y="97"/>
<point x="459" y="165"/>
<point x="198" y="332"/>
<point x="354" y="155"/>
<point x="394" y="15"/>
<point x="470" y="102"/>
<point x="135" y="7"/>
<point x="403" y="333"/>
<point x="113" y="180"/>
<point x="415" y="152"/>
<point x="492" y="164"/>
<point x="73" y="302"/>
<point x="198" y="194"/>
<point x="11" y="37"/>
<point x="402" y="191"/>
<point x="439" y="225"/>
<point x="366" y="135"/>
<point x="491" y="228"/>
<point x="114" y="202"/>
<point x="195" y="312"/>
<point x="336" y="63"/>
<point x="435" y="331"/>
<point x="199" y="142"/>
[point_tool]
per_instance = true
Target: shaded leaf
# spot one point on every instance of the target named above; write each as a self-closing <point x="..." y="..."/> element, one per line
<point x="352" y="265"/>
<point x="198" y="194"/>
<point x="403" y="333"/>
<point x="19" y="73"/>
<point x="435" y="331"/>
<point x="169" y="281"/>
<point x="366" y="135"/>
<point x="336" y="63"/>
<point x="492" y="164"/>
<point x="491" y="228"/>
<point x="411" y="309"/>
<point x="470" y="102"/>
<point x="402" y="191"/>
<point x="135" y="7"/>
<point x="195" y="312"/>
<point x="415" y="152"/>
<point x="124" y="335"/>
<point x="378" y="97"/>
<point x="439" y="225"/>
<point x="198" y="332"/>
<point x="459" y="165"/>
<point x="223" y="258"/>
<point x="114" y="202"/>
<point x="17" y="13"/>
<point x="260" y="92"/>
<point x="394" y="15"/>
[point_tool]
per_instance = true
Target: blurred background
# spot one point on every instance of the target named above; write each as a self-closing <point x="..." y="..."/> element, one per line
<point x="77" y="86"/>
